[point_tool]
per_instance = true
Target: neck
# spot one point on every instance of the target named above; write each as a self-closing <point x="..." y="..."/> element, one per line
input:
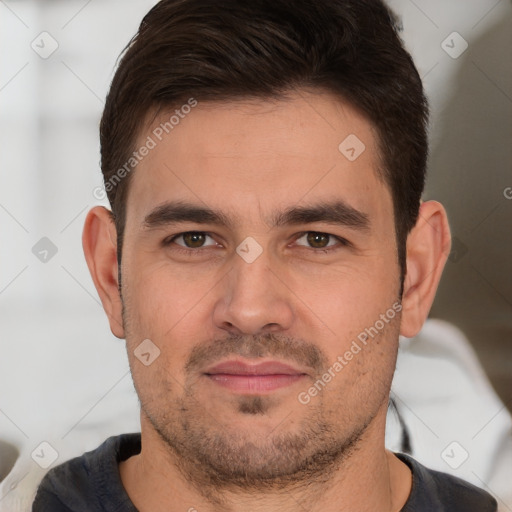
<point x="369" y="478"/>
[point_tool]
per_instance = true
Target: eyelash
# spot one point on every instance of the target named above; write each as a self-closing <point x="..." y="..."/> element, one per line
<point x="191" y="251"/>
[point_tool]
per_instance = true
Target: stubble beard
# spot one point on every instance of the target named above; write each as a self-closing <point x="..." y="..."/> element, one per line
<point x="214" y="457"/>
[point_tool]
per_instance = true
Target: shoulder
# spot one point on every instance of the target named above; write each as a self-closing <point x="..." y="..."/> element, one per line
<point x="88" y="481"/>
<point x="434" y="490"/>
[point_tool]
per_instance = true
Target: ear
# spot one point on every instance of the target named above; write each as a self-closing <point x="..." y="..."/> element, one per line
<point x="428" y="247"/>
<point x="99" y="241"/>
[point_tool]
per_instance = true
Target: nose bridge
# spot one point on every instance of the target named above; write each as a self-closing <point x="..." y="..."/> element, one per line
<point x="251" y="282"/>
<point x="253" y="299"/>
<point x="251" y="278"/>
<point x="251" y="267"/>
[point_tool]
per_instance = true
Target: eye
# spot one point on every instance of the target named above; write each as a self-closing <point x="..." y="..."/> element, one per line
<point x="317" y="240"/>
<point x="193" y="240"/>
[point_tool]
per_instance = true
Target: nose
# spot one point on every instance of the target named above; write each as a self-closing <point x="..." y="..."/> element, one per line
<point x="253" y="299"/>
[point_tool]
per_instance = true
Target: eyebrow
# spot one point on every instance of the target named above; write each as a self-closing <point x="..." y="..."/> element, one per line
<point x="336" y="212"/>
<point x="177" y="211"/>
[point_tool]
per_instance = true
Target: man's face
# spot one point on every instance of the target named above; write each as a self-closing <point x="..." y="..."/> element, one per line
<point x="294" y="259"/>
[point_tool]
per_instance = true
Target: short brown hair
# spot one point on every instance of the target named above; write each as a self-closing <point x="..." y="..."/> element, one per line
<point x="236" y="49"/>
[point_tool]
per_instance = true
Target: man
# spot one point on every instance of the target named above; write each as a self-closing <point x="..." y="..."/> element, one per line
<point x="267" y="245"/>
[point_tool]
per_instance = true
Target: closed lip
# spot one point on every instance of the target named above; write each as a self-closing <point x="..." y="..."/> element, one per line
<point x="239" y="367"/>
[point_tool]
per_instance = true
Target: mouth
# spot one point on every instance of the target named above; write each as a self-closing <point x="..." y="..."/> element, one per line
<point x="249" y="378"/>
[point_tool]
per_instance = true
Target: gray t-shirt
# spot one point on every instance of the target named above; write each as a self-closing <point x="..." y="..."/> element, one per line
<point x="91" y="483"/>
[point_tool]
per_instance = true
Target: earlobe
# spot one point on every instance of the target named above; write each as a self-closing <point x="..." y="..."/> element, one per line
<point x="100" y="249"/>
<point x="428" y="247"/>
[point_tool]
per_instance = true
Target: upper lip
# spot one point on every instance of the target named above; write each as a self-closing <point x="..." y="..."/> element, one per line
<point x="238" y="367"/>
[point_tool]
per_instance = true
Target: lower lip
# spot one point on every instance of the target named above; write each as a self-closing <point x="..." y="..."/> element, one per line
<point x="254" y="383"/>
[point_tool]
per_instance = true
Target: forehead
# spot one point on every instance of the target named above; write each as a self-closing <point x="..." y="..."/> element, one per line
<point x="244" y="156"/>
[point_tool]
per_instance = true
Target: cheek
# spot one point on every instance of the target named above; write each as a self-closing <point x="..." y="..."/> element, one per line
<point x="164" y="295"/>
<point x="351" y="297"/>
<point x="155" y="310"/>
<point x="168" y="307"/>
<point x="359" y="311"/>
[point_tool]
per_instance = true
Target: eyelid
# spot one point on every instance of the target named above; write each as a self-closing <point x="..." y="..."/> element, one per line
<point x="172" y="239"/>
<point x="341" y="241"/>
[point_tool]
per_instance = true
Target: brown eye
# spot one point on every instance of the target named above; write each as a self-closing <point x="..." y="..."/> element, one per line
<point x="194" y="239"/>
<point x="189" y="241"/>
<point x="318" y="240"/>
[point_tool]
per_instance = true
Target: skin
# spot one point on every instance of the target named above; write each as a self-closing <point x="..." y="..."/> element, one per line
<point x="209" y="448"/>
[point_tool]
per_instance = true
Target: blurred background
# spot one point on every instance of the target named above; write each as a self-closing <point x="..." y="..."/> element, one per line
<point x="57" y="60"/>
